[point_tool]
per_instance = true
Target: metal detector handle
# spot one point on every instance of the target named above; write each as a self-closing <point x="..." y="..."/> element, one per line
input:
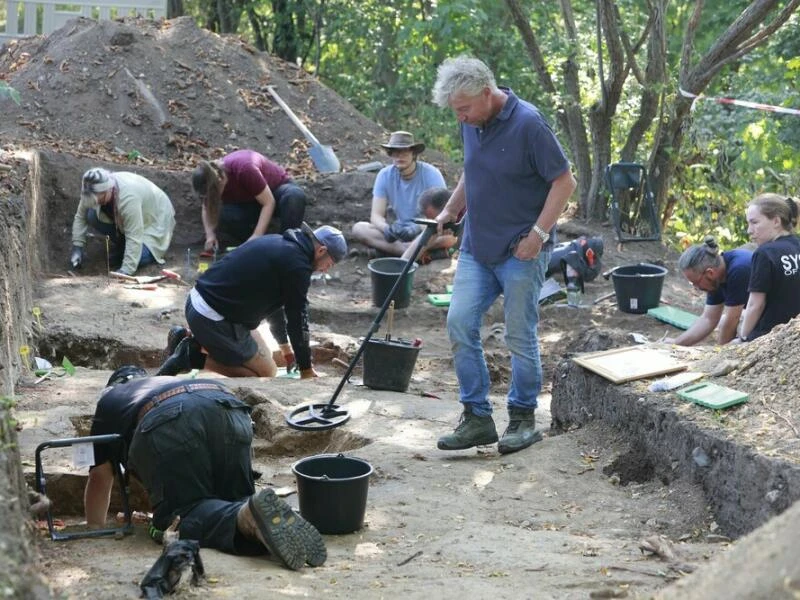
<point x="430" y="229"/>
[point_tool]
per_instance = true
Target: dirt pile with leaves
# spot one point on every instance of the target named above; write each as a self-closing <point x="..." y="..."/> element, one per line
<point x="148" y="92"/>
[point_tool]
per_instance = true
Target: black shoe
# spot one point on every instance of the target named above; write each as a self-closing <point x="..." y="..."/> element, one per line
<point x="174" y="336"/>
<point x="179" y="361"/>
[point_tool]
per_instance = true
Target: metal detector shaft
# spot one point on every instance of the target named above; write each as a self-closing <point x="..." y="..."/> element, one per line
<point x="427" y="234"/>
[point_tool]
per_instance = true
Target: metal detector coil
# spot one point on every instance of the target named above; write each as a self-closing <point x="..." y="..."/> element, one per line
<point x="320" y="417"/>
<point x="111" y="438"/>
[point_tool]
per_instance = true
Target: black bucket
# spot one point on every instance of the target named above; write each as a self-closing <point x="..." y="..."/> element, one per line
<point x="638" y="287"/>
<point x="384" y="272"/>
<point x="332" y="490"/>
<point x="388" y="364"/>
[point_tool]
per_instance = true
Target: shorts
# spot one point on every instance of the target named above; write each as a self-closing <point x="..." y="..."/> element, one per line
<point x="229" y="344"/>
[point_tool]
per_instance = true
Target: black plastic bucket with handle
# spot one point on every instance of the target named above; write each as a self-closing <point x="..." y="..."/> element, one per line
<point x="638" y="287"/>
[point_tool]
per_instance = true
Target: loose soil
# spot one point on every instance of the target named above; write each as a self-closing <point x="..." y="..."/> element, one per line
<point x="560" y="520"/>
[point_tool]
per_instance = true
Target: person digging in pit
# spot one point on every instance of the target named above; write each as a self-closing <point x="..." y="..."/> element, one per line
<point x="189" y="443"/>
<point x="724" y="278"/>
<point x="397" y="187"/>
<point x="265" y="278"/>
<point x="135" y="214"/>
<point x="241" y="193"/>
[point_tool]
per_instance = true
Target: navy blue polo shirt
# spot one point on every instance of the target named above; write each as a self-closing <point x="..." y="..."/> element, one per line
<point x="508" y="169"/>
<point x="737" y="277"/>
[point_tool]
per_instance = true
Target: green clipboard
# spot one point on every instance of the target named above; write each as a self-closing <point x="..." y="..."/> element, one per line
<point x="712" y="395"/>
<point x="674" y="316"/>
<point x="440" y="299"/>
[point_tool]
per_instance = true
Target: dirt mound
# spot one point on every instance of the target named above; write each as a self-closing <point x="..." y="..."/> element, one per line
<point x="152" y="92"/>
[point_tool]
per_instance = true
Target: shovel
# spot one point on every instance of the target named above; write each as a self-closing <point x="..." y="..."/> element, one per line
<point x="323" y="156"/>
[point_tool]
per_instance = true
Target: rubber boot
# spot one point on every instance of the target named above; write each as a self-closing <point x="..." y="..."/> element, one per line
<point x="471" y="431"/>
<point x="521" y="431"/>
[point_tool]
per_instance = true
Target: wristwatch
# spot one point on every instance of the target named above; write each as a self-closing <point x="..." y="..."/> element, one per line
<point x="541" y="233"/>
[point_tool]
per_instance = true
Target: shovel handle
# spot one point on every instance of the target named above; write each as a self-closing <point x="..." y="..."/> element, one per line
<point x="298" y="123"/>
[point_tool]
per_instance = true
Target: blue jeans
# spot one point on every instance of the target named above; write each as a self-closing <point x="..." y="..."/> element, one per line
<point x="475" y="289"/>
<point x="117" y="240"/>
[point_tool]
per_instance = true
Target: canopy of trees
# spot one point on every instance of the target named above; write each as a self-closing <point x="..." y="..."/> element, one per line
<point x="608" y="74"/>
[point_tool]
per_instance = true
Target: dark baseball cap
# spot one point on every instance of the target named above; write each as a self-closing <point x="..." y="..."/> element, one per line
<point x="331" y="238"/>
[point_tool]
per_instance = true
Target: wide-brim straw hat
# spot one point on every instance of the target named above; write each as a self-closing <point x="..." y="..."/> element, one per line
<point x="403" y="140"/>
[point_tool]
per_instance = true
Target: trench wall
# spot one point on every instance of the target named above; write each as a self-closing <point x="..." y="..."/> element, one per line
<point x="744" y="489"/>
<point x="20" y="249"/>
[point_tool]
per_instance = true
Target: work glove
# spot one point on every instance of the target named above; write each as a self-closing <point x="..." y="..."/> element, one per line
<point x="76" y="258"/>
<point x="405" y="231"/>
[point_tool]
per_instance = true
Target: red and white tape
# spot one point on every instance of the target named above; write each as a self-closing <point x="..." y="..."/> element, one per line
<point x="745" y="103"/>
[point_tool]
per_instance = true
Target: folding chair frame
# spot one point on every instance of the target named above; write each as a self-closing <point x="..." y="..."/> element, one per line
<point x="646" y="209"/>
<point x="122" y="480"/>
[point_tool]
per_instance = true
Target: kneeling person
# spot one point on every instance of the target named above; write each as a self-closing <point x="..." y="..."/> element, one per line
<point x="206" y="479"/>
<point x="266" y="278"/>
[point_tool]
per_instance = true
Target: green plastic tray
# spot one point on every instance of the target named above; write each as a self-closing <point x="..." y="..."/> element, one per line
<point x="674" y="316"/>
<point x="440" y="299"/>
<point x="712" y="395"/>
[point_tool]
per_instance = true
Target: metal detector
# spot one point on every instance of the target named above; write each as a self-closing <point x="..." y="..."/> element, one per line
<point x="111" y="438"/>
<point x="319" y="417"/>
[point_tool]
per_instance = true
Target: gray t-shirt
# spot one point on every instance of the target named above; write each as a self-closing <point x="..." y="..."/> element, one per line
<point x="402" y="195"/>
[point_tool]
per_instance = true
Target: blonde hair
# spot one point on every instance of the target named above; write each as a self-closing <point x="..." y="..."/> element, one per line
<point x="207" y="185"/>
<point x="774" y="205"/>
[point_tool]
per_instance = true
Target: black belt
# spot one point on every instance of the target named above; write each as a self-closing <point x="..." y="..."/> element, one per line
<point x="181" y="389"/>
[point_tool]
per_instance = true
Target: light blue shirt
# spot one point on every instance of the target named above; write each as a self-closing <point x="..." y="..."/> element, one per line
<point x="403" y="194"/>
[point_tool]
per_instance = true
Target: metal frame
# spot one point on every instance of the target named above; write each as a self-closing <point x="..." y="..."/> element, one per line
<point x="635" y="175"/>
<point x="122" y="480"/>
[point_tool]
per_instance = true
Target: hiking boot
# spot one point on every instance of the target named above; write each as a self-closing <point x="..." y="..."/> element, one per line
<point x="174" y="336"/>
<point x="521" y="431"/>
<point x="179" y="361"/>
<point x="284" y="533"/>
<point x="471" y="431"/>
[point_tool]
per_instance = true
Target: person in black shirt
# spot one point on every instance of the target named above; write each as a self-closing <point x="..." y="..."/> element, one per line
<point x="265" y="278"/>
<point x="189" y="443"/>
<point x="775" y="273"/>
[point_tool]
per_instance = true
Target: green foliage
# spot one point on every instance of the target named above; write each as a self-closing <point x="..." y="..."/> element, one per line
<point x="6" y="91"/>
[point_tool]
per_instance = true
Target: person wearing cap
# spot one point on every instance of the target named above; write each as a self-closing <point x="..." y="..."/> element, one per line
<point x="264" y="278"/>
<point x="241" y="193"/>
<point x="398" y="187"/>
<point x="189" y="442"/>
<point x="132" y="211"/>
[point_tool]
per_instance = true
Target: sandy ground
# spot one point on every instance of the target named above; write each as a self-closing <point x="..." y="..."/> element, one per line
<point x="545" y="522"/>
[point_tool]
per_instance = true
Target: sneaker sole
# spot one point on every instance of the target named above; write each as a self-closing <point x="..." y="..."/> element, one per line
<point x="485" y="442"/>
<point x="537" y="437"/>
<point x="279" y="528"/>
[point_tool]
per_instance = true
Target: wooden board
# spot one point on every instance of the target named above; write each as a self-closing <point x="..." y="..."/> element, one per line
<point x="628" y="364"/>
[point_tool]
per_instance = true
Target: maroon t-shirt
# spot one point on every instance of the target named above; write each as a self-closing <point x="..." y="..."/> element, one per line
<point x="248" y="174"/>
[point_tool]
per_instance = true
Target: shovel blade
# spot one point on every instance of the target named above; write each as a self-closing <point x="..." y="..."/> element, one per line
<point x="324" y="159"/>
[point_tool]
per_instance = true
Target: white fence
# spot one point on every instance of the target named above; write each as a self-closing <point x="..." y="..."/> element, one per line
<point x="32" y="17"/>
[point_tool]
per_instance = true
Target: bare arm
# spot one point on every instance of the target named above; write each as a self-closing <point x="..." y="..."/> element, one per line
<point x="97" y="494"/>
<point x="560" y="191"/>
<point x="756" y="303"/>
<point x="729" y="323"/>
<point x="211" y="234"/>
<point x="267" y="202"/>
<point x="702" y="327"/>
<point x="377" y="215"/>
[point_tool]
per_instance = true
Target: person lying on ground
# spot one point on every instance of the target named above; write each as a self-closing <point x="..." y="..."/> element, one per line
<point x="265" y="278"/>
<point x="398" y="187"/>
<point x="431" y="203"/>
<point x="240" y="195"/>
<point x="132" y="211"/>
<point x="724" y="277"/>
<point x="206" y="477"/>
<point x="775" y="274"/>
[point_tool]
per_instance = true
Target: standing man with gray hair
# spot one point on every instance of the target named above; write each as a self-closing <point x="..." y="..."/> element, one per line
<point x="515" y="184"/>
<point x="131" y="210"/>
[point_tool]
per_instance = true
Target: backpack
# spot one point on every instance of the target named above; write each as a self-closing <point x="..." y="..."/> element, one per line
<point x="582" y="254"/>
